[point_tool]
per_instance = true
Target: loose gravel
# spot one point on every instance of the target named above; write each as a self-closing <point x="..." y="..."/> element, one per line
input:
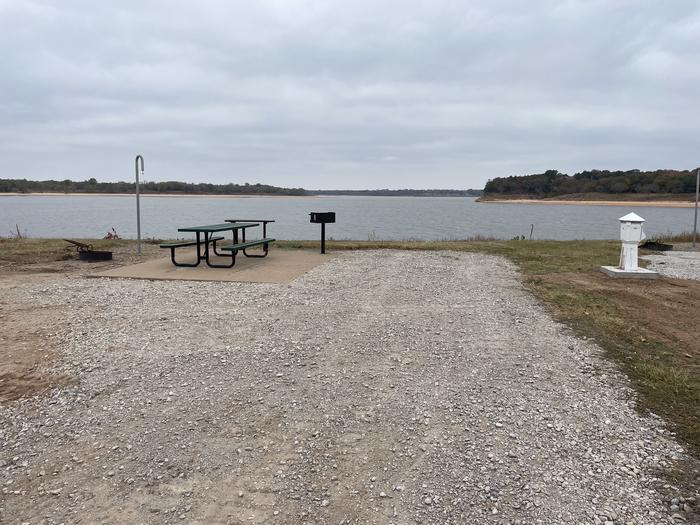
<point x="680" y="265"/>
<point x="381" y="387"/>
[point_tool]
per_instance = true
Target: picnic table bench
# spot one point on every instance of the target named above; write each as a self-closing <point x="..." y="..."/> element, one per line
<point x="183" y="244"/>
<point x="208" y="231"/>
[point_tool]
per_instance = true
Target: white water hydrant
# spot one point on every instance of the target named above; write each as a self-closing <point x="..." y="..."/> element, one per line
<point x="631" y="234"/>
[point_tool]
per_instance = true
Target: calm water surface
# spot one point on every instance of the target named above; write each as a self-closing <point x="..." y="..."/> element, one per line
<point x="360" y="218"/>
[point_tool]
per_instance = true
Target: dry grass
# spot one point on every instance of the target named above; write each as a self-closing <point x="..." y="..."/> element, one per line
<point x="28" y="250"/>
<point x="677" y="237"/>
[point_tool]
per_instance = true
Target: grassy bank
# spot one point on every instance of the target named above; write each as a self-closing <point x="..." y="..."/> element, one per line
<point x="649" y="328"/>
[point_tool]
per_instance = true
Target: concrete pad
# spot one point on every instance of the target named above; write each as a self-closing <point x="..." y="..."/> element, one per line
<point x="640" y="273"/>
<point x="280" y="266"/>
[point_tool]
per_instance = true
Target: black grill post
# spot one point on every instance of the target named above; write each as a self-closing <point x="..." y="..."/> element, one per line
<point x="322" y="218"/>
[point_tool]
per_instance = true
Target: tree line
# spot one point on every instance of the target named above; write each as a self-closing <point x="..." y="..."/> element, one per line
<point x="174" y="187"/>
<point x="553" y="183"/>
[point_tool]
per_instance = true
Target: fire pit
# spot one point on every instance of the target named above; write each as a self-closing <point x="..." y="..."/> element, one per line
<point x="87" y="253"/>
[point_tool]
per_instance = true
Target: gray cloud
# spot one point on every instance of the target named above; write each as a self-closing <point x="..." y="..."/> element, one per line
<point x="347" y="94"/>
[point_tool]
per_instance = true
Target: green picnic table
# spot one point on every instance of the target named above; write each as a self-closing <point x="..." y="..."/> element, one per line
<point x="205" y="236"/>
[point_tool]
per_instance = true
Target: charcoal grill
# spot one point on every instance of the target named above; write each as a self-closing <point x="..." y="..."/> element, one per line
<point x="322" y="218"/>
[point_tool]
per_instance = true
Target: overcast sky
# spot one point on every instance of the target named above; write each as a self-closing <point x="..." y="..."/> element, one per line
<point x="340" y="94"/>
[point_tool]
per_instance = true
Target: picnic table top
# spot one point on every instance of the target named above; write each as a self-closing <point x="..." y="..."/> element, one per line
<point x="219" y="227"/>
<point x="250" y="220"/>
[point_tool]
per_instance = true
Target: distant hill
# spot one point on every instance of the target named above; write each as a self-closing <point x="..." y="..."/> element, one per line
<point x="191" y="188"/>
<point x="400" y="193"/>
<point x="169" y="187"/>
<point x="621" y="184"/>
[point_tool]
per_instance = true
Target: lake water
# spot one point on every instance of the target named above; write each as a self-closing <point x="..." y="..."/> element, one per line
<point x="359" y="218"/>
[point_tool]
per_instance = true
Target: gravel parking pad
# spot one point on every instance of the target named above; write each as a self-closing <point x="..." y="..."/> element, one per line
<point x="381" y="387"/>
<point x="680" y="265"/>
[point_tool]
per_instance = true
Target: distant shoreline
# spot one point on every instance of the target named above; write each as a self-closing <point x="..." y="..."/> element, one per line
<point x="214" y="195"/>
<point x="654" y="204"/>
<point x="202" y="195"/>
<point x="649" y="204"/>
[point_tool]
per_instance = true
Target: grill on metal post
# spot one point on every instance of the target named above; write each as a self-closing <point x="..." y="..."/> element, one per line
<point x="322" y="218"/>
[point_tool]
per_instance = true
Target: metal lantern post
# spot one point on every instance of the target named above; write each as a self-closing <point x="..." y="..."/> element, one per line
<point x="697" y="192"/>
<point x="138" y="206"/>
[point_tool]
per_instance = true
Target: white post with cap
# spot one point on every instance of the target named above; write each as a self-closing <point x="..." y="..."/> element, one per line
<point x="631" y="234"/>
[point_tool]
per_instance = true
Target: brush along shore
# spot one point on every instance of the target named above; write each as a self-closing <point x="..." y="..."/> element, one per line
<point x="665" y="200"/>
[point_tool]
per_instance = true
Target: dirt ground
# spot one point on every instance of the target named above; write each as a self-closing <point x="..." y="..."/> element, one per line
<point x="26" y="350"/>
<point x="665" y="309"/>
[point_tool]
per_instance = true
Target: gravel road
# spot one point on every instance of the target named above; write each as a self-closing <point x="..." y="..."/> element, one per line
<point x="681" y="265"/>
<point x="381" y="387"/>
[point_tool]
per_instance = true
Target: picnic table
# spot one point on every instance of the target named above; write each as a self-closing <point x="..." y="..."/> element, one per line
<point x="264" y="223"/>
<point x="205" y="236"/>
